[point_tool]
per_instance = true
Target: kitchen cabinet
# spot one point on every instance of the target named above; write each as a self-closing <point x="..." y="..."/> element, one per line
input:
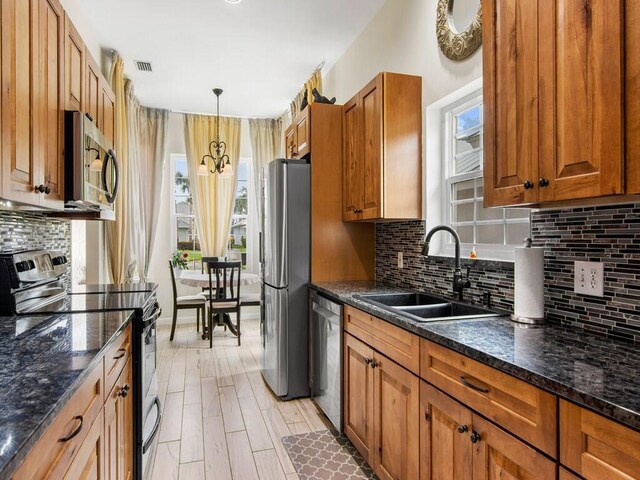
<point x="92" y="435"/>
<point x="382" y="142"/>
<point x="107" y="112"/>
<point x="554" y="99"/>
<point x="596" y="447"/>
<point x="380" y="411"/>
<point x="298" y="135"/>
<point x="99" y="99"/>
<point x="74" y="62"/>
<point x="92" y="90"/>
<point x="32" y="73"/>
<point x="118" y="437"/>
<point x="456" y="443"/>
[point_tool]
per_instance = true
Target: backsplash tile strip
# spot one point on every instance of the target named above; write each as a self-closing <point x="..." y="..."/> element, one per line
<point x="32" y="231"/>
<point x="610" y="234"/>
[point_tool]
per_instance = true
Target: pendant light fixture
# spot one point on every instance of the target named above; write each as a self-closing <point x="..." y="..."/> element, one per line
<point x="220" y="162"/>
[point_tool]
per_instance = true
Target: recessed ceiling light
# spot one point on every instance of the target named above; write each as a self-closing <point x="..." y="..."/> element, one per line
<point x="233" y="1"/>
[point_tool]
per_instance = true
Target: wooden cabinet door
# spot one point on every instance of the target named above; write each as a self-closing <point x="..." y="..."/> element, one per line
<point x="92" y="91"/>
<point x="89" y="462"/>
<point x="446" y="450"/>
<point x="510" y="66"/>
<point x="499" y="456"/>
<point x="49" y="118"/>
<point x="632" y="97"/>
<point x="74" y="62"/>
<point x="19" y="96"/>
<point x="290" y="141"/>
<point x="107" y="113"/>
<point x="371" y="152"/>
<point x="358" y="395"/>
<point x="353" y="180"/>
<point x="596" y="447"/>
<point x="581" y="98"/>
<point x="118" y="433"/>
<point x="303" y="133"/>
<point x="396" y="429"/>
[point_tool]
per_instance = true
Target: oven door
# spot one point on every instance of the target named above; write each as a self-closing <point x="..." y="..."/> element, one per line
<point x="151" y="408"/>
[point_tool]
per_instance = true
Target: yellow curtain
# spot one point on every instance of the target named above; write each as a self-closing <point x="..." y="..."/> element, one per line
<point x="265" y="136"/>
<point x="315" y="81"/>
<point x="116" y="232"/>
<point x="213" y="195"/>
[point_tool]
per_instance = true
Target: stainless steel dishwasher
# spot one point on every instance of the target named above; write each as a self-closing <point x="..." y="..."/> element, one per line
<point x="325" y="363"/>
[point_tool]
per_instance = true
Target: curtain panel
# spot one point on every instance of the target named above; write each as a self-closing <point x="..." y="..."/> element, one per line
<point x="266" y="146"/>
<point x="315" y="81"/>
<point x="213" y="195"/>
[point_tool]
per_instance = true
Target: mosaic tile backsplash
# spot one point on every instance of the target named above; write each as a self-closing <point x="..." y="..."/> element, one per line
<point x="609" y="234"/>
<point x="27" y="231"/>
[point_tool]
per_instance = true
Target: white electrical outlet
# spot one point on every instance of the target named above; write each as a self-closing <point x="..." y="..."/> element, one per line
<point x="400" y="260"/>
<point x="588" y="278"/>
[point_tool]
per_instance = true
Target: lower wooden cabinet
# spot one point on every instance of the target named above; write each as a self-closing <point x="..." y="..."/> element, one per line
<point x="381" y="407"/>
<point x="457" y="444"/>
<point x="118" y="437"/>
<point x="89" y="462"/>
<point x="596" y="447"/>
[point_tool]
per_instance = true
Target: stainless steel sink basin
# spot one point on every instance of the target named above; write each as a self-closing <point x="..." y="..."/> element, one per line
<point x="428" y="308"/>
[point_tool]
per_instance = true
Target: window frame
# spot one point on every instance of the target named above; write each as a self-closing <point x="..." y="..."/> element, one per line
<point x="174" y="215"/>
<point x="486" y="251"/>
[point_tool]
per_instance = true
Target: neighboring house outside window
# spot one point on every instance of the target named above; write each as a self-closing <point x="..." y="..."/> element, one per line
<point x="493" y="231"/>
<point x="238" y="238"/>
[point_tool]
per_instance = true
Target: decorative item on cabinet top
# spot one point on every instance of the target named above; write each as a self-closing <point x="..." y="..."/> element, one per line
<point x="458" y="29"/>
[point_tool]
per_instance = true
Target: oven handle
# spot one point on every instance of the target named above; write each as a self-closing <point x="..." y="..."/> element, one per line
<point x="154" y="316"/>
<point x="147" y="443"/>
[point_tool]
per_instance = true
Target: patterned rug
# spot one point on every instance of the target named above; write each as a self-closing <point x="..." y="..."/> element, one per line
<point x="326" y="455"/>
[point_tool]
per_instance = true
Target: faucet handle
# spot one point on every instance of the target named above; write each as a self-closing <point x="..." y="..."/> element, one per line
<point x="468" y="271"/>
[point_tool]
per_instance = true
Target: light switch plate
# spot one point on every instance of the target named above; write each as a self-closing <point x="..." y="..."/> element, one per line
<point x="400" y="260"/>
<point x="588" y="278"/>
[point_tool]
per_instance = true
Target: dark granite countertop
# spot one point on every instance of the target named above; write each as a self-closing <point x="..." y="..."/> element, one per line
<point x="43" y="360"/>
<point x="600" y="374"/>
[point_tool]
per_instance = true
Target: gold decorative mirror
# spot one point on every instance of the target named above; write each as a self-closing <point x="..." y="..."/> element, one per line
<point x="459" y="27"/>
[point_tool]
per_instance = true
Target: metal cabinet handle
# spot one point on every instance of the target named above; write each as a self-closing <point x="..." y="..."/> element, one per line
<point x="475" y="437"/>
<point x="528" y="185"/>
<point x="466" y="383"/>
<point x="124" y="352"/>
<point x="368" y="361"/>
<point x="463" y="429"/>
<point x="543" y="182"/>
<point x="124" y="391"/>
<point x="374" y="364"/>
<point x="76" y="431"/>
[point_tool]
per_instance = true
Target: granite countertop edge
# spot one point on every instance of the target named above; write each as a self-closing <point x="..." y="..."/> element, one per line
<point x="23" y="450"/>
<point x="630" y="418"/>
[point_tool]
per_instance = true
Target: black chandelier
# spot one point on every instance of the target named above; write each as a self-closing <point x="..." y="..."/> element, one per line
<point x="217" y="149"/>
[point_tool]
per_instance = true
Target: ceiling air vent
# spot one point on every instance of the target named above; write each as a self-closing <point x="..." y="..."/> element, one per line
<point x="144" y="66"/>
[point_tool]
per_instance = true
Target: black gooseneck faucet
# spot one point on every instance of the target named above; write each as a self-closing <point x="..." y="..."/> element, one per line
<point x="459" y="282"/>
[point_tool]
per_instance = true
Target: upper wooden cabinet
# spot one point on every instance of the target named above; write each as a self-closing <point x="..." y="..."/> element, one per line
<point x="74" y="62"/>
<point x="382" y="142"/>
<point x="32" y="75"/>
<point x="298" y="135"/>
<point x="554" y="93"/>
<point x="92" y="92"/>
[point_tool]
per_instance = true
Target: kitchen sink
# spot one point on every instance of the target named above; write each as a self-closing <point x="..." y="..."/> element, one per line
<point x="423" y="307"/>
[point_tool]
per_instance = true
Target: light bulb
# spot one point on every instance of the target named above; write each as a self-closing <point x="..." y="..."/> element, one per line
<point x="202" y="169"/>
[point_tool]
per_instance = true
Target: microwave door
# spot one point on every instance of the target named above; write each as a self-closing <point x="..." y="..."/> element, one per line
<point x="101" y="174"/>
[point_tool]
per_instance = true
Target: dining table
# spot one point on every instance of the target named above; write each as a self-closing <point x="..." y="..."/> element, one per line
<point x="193" y="278"/>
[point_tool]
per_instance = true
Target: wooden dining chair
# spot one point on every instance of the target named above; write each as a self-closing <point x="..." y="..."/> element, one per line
<point x="224" y="285"/>
<point x="186" y="302"/>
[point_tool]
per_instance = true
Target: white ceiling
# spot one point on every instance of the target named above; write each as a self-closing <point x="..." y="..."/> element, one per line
<point x="259" y="51"/>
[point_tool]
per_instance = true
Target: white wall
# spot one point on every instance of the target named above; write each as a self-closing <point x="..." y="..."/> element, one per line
<point x="402" y="38"/>
<point x="159" y="268"/>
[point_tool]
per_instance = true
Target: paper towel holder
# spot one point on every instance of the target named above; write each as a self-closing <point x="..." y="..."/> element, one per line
<point x="528" y="242"/>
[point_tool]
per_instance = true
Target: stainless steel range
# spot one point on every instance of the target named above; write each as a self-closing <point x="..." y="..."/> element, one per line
<point x="33" y="282"/>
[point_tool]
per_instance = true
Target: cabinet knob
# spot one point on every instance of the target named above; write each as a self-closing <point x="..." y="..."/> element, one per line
<point x="124" y="391"/>
<point x="528" y="185"/>
<point x="374" y="364"/>
<point x="367" y="361"/>
<point x="463" y="429"/>
<point x="543" y="182"/>
<point x="475" y="437"/>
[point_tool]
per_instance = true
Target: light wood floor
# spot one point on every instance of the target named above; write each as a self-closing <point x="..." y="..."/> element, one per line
<point x="220" y="420"/>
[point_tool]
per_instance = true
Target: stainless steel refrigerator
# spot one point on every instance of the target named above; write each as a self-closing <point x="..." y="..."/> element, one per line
<point x="285" y="246"/>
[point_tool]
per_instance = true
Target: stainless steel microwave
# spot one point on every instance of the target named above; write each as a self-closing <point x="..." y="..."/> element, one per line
<point x="91" y="167"/>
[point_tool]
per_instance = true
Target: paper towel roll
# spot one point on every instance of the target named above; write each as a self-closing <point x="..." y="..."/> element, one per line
<point x="529" y="283"/>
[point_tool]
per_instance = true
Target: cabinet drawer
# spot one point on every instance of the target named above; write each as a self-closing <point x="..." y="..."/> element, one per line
<point x="596" y="447"/>
<point x="115" y="359"/>
<point x="511" y="403"/>
<point x="51" y="457"/>
<point x="399" y="345"/>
